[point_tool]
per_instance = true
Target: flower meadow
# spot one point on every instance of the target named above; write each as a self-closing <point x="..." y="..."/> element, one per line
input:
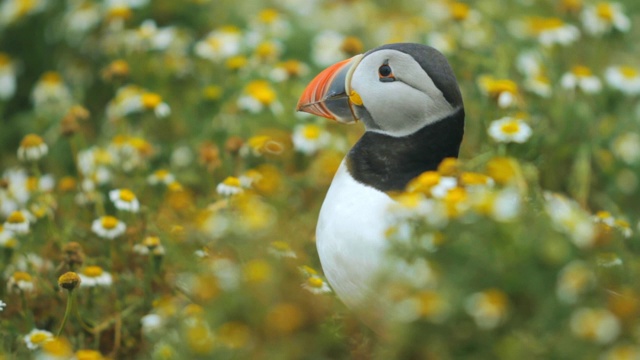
<point x="159" y="193"/>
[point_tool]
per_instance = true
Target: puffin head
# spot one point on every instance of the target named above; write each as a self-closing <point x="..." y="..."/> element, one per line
<point x="395" y="89"/>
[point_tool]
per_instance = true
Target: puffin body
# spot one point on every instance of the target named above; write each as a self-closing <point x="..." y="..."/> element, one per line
<point x="409" y="101"/>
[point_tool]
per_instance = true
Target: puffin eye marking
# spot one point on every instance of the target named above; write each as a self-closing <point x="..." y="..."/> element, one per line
<point x="385" y="73"/>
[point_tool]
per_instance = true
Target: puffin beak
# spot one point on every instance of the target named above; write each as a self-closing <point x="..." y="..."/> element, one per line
<point x="327" y="95"/>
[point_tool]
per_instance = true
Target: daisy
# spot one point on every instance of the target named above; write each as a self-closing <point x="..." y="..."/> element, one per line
<point x="260" y="145"/>
<point x="12" y="10"/>
<point x="597" y="325"/>
<point x="539" y="85"/>
<point x="153" y="101"/>
<point x="509" y="129"/>
<point x="433" y="184"/>
<point x="624" y="78"/>
<point x="581" y="77"/>
<point x="488" y="308"/>
<point x="149" y="244"/>
<point x="108" y="227"/>
<point x="281" y="249"/>
<point x="59" y="349"/>
<point x="2" y="305"/>
<point x="161" y="176"/>
<point x="50" y="89"/>
<point x="7" y="77"/>
<point x="316" y="285"/>
<point x="551" y="31"/>
<point x="529" y="63"/>
<point x="92" y="276"/>
<point x="18" y="221"/>
<point x="288" y="69"/>
<point x="575" y="279"/>
<point x="626" y="147"/>
<point x="220" y="44"/>
<point x="622" y="352"/>
<point x="230" y="186"/>
<point x="32" y="148"/>
<point x="603" y="17"/>
<point x="569" y="218"/>
<point x="20" y="281"/>
<point x="257" y="95"/>
<point x="309" y="138"/>
<point x="326" y="48"/>
<point x="124" y="199"/>
<point x="503" y="91"/>
<point x="36" y="338"/>
<point x="270" y="22"/>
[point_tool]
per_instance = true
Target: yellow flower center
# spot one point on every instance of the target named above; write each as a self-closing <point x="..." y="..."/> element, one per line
<point x="266" y="50"/>
<point x="311" y="132"/>
<point x="501" y="169"/>
<point x="261" y="91"/>
<point x="603" y="215"/>
<point x="127" y="195"/>
<point x="292" y="67"/>
<point x="38" y="338"/>
<point x="280" y="245"/>
<point x="88" y="355"/>
<point x="31" y="140"/>
<point x="409" y="199"/>
<point x="161" y="174"/>
<point x="472" y="178"/>
<point x="268" y="16"/>
<point x="120" y="12"/>
<point x="510" y="127"/>
<point x="424" y="182"/>
<point x="497" y="87"/>
<point x="67" y="183"/>
<point x="142" y="145"/>
<point x="496" y="298"/>
<point x="232" y="181"/>
<point x="352" y="45"/>
<point x="236" y="62"/>
<point x="540" y="24"/>
<point x="459" y="11"/>
<point x="315" y="282"/>
<point x="109" y="222"/>
<point x="92" y="271"/>
<point x="119" y="68"/>
<point x="629" y="72"/>
<point x="4" y="60"/>
<point x="58" y="348"/>
<point x="151" y="241"/>
<point x="257" y="271"/>
<point x="21" y="276"/>
<point x="448" y="166"/>
<point x="51" y="77"/>
<point x="150" y="100"/>
<point x="16" y="217"/>
<point x="605" y="11"/>
<point x="571" y="5"/>
<point x="308" y="270"/>
<point x="212" y="92"/>
<point x="581" y="71"/>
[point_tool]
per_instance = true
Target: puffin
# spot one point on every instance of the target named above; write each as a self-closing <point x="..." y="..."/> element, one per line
<point x="408" y="99"/>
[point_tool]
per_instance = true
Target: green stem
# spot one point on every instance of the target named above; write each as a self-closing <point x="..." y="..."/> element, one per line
<point x="70" y="306"/>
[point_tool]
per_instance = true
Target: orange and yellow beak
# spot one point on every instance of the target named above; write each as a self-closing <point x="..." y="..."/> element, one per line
<point x="329" y="94"/>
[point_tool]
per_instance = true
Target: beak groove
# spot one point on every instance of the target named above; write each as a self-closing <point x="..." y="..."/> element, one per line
<point x="326" y="95"/>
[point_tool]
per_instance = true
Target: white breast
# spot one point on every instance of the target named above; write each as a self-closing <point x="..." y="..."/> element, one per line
<point x="350" y="237"/>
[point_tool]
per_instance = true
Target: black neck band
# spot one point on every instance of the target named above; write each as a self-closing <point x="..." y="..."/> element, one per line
<point x="388" y="163"/>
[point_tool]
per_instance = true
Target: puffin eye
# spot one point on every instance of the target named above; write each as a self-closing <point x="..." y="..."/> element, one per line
<point x="385" y="73"/>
